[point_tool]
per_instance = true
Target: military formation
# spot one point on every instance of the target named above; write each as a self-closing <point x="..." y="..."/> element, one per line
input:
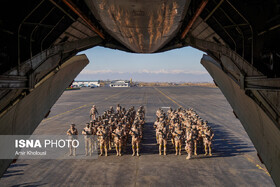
<point x="117" y="128"/>
<point x="183" y="126"/>
<point x="114" y="128"/>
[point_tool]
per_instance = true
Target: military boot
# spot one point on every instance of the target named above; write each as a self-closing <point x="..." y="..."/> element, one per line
<point x="176" y="149"/>
<point x="120" y="151"/>
<point x="206" y="151"/>
<point x="180" y="148"/>
<point x="157" y="140"/>
<point x="106" y="151"/>
<point x="133" y="154"/>
<point x="70" y="153"/>
<point x="195" y="149"/>
<point x="101" y="151"/>
<point x="95" y="145"/>
<point x="74" y="152"/>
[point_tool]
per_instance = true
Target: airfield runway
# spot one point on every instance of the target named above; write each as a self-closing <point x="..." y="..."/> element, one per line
<point x="234" y="161"/>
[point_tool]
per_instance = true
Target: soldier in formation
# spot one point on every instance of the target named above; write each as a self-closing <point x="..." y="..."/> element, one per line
<point x="72" y="134"/>
<point x="162" y="136"/>
<point x="183" y="126"/>
<point x="118" y="134"/>
<point x="102" y="134"/>
<point x="136" y="136"/>
<point x="88" y="132"/>
<point x="93" y="113"/>
<point x="118" y="128"/>
<point x="207" y="140"/>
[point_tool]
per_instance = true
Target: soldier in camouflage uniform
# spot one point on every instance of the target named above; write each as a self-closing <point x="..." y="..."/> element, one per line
<point x="156" y="124"/>
<point x="162" y="137"/>
<point x="103" y="139"/>
<point x="178" y="137"/>
<point x="72" y="134"/>
<point x="87" y="132"/>
<point x="118" y="135"/>
<point x="93" y="113"/>
<point x="189" y="142"/>
<point x="207" y="140"/>
<point x="93" y="127"/>
<point x="158" y="112"/>
<point x="118" y="108"/>
<point x="135" y="134"/>
<point x="195" y="138"/>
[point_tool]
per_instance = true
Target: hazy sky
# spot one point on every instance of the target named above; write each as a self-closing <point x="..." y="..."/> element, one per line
<point x="178" y="65"/>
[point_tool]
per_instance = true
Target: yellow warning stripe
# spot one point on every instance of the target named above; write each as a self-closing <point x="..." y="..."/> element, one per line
<point x="65" y="112"/>
<point x="86" y="105"/>
<point x="257" y="165"/>
<point x="168" y="97"/>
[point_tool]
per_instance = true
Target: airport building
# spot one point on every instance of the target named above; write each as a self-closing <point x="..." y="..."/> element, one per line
<point x="88" y="83"/>
<point x="120" y="83"/>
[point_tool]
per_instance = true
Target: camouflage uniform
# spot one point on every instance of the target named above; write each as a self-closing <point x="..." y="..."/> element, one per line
<point x="195" y="138"/>
<point x="156" y="125"/>
<point x="189" y="142"/>
<point x="93" y="112"/>
<point x="93" y="127"/>
<point x="103" y="139"/>
<point x="162" y="138"/>
<point x="118" y="108"/>
<point x="207" y="140"/>
<point x="72" y="134"/>
<point x="118" y="134"/>
<point x="159" y="112"/>
<point x="135" y="134"/>
<point x="178" y="136"/>
<point x="87" y="132"/>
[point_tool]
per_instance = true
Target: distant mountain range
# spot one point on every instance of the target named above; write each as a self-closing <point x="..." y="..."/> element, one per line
<point x="148" y="77"/>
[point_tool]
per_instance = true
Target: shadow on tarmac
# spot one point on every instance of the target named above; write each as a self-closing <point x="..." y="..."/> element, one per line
<point x="30" y="184"/>
<point x="225" y="144"/>
<point x="10" y="173"/>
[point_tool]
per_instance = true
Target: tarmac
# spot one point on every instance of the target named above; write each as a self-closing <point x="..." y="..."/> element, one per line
<point x="234" y="161"/>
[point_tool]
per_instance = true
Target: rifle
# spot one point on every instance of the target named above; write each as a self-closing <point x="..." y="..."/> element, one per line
<point x="119" y="136"/>
<point x="134" y="133"/>
<point x="180" y="135"/>
<point x="162" y="133"/>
